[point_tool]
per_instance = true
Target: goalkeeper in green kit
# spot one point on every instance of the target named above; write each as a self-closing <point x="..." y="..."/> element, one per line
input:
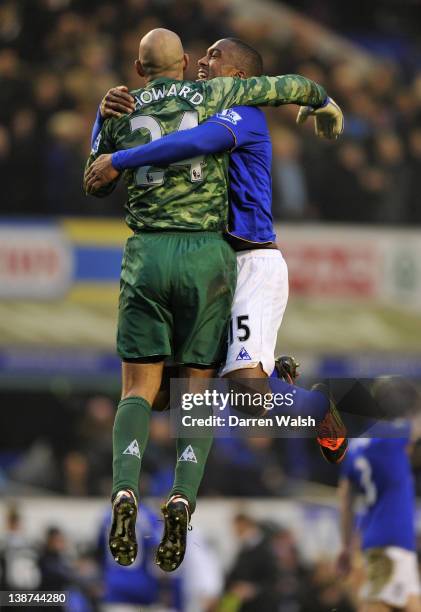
<point x="178" y="274"/>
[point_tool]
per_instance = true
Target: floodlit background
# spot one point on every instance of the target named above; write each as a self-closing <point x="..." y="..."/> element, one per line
<point x="348" y="222"/>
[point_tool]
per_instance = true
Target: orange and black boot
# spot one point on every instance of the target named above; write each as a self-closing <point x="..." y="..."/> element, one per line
<point x="331" y="431"/>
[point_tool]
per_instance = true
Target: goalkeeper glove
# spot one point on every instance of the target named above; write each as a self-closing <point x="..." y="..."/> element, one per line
<point x="328" y="119"/>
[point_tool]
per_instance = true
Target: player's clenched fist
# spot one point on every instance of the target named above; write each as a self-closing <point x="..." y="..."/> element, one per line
<point x="328" y="119"/>
<point x="116" y="102"/>
<point x="100" y="173"/>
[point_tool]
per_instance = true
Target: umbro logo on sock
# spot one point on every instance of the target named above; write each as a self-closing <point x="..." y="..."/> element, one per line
<point x="243" y="355"/>
<point x="188" y="455"/>
<point x="133" y="449"/>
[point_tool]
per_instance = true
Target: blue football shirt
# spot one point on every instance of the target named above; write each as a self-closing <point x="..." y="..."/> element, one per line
<point x="250" y="180"/>
<point x="380" y="469"/>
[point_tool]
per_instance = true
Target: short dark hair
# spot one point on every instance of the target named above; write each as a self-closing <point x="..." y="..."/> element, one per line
<point x="249" y="59"/>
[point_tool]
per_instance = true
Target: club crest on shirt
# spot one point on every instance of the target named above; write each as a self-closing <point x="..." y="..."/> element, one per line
<point x="230" y="115"/>
<point x="96" y="144"/>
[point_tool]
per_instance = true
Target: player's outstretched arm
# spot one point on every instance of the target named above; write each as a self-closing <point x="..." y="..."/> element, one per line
<point x="274" y="91"/>
<point x="205" y="139"/>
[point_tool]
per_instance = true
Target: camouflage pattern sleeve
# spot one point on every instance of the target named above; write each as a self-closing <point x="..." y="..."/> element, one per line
<point x="103" y="144"/>
<point x="263" y="91"/>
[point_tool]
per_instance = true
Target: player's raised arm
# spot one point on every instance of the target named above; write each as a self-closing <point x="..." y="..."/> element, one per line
<point x="274" y="91"/>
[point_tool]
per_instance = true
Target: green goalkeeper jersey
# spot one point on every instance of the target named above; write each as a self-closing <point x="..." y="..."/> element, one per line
<point x="192" y="194"/>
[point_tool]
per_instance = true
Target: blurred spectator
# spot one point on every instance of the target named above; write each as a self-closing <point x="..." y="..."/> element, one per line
<point x="94" y="435"/>
<point x="58" y="571"/>
<point x="58" y="57"/>
<point x="292" y="574"/>
<point x="390" y="157"/>
<point x="76" y="481"/>
<point x="414" y="184"/>
<point x="251" y="582"/>
<point x="244" y="466"/>
<point x="201" y="573"/>
<point x="159" y="462"/>
<point x="54" y="562"/>
<point x="18" y="556"/>
<point x="326" y="591"/>
<point x="290" y="187"/>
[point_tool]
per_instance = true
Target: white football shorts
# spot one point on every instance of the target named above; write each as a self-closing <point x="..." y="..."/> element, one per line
<point x="259" y="304"/>
<point x="391" y="576"/>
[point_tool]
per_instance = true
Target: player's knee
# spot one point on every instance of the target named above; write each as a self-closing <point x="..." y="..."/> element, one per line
<point x="141" y="380"/>
<point x="149" y="394"/>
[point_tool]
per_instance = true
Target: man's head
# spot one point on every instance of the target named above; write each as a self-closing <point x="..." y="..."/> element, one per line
<point x="161" y="53"/>
<point x="230" y="57"/>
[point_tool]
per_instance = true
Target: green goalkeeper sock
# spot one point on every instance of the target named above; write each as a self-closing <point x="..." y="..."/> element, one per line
<point x="192" y="454"/>
<point x="130" y="436"/>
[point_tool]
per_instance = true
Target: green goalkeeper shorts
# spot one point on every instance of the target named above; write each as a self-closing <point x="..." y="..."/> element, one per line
<point x="176" y="291"/>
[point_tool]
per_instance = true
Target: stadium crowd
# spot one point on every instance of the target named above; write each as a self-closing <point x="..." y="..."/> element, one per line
<point x="59" y="57"/>
<point x="268" y="572"/>
<point x="73" y="455"/>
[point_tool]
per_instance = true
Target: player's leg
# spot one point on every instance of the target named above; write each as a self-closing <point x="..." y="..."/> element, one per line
<point x="162" y="400"/>
<point x="202" y="306"/>
<point x="143" y="340"/>
<point x="141" y="382"/>
<point x="192" y="454"/>
<point x="260" y="300"/>
<point x="259" y="305"/>
<point x="413" y="603"/>
<point x="391" y="579"/>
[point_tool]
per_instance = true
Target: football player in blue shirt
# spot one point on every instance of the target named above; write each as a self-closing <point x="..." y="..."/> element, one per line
<point x="262" y="281"/>
<point x="380" y="469"/>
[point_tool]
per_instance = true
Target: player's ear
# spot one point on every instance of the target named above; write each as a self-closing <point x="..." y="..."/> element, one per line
<point x="139" y="68"/>
<point x="186" y="61"/>
<point x="239" y="73"/>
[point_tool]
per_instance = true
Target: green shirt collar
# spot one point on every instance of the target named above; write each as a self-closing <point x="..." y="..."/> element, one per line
<point x="159" y="80"/>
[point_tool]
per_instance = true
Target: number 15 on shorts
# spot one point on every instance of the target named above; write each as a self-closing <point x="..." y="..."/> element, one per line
<point x="239" y="329"/>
